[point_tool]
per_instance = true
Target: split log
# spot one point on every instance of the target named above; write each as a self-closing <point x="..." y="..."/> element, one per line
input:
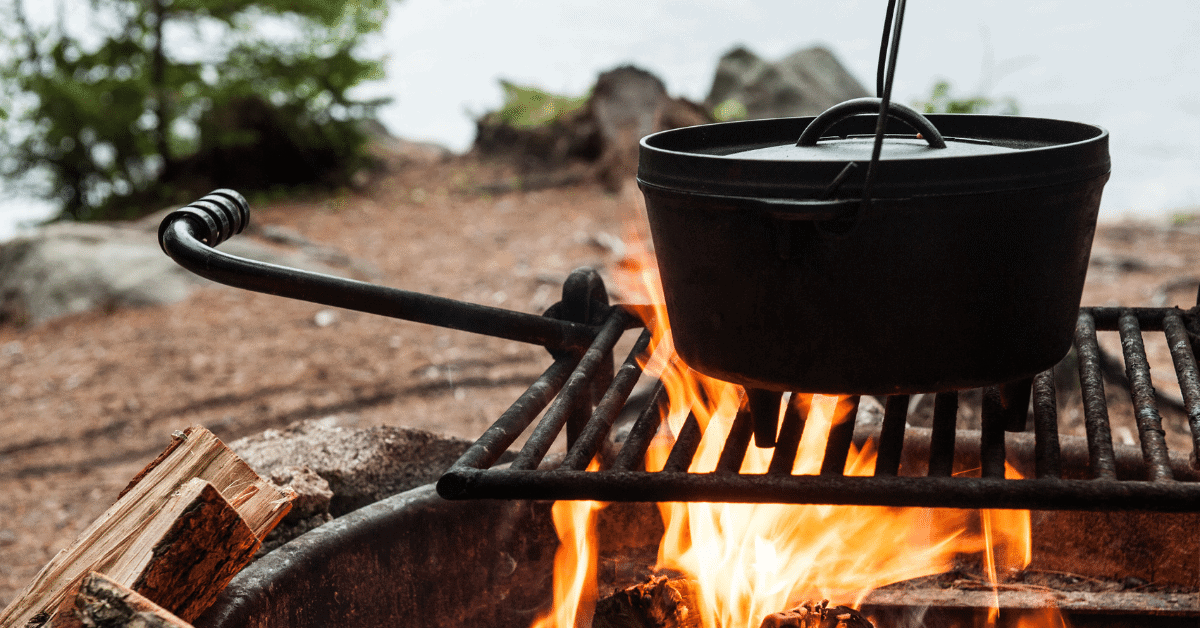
<point x="180" y="531"/>
<point x="813" y="615"/>
<point x="102" y="602"/>
<point x="659" y="603"/>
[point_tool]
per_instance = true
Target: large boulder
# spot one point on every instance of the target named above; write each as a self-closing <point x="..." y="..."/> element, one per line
<point x="804" y="83"/>
<point x="70" y="267"/>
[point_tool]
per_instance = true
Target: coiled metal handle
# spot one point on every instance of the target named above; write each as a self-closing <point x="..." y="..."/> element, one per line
<point x="217" y="217"/>
<point x="189" y="234"/>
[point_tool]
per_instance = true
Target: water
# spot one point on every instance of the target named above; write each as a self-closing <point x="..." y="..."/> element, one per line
<point x="1133" y="68"/>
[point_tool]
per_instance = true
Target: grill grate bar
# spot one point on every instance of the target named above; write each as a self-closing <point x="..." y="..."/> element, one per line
<point x="591" y="438"/>
<point x="686" y="443"/>
<point x="734" y="451"/>
<point x="891" y="436"/>
<point x="505" y="431"/>
<point x="790" y="431"/>
<point x="578" y="385"/>
<point x="1095" y="406"/>
<point x="941" y="450"/>
<point x="841" y="434"/>
<point x="633" y="451"/>
<point x="1137" y="369"/>
<point x="1047" y="454"/>
<point x="1185" y="369"/>
<point x="991" y="438"/>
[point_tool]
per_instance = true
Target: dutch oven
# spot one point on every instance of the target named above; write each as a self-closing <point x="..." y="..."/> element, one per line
<point x="962" y="266"/>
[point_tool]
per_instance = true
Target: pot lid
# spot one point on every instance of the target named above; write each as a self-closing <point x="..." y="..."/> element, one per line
<point x="979" y="154"/>
<point x="858" y="148"/>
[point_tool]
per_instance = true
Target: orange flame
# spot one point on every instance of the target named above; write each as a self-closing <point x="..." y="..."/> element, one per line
<point x="750" y="560"/>
<point x="574" y="564"/>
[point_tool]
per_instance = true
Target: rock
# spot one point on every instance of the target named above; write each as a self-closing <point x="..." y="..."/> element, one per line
<point x="360" y="465"/>
<point x="395" y="152"/>
<point x="71" y="267"/>
<point x="627" y="103"/>
<point x="313" y="494"/>
<point x="310" y="508"/>
<point x="804" y="83"/>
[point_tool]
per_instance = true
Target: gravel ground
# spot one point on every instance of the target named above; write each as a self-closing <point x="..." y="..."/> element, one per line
<point x="86" y="401"/>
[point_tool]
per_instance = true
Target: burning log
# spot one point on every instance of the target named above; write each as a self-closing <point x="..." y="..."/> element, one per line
<point x="661" y="602"/>
<point x="811" y="615"/>
<point x="658" y="603"/>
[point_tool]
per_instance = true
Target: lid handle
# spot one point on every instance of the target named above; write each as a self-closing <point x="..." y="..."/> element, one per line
<point x="844" y="110"/>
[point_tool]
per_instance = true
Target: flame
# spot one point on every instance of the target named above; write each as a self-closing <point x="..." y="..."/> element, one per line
<point x="751" y="560"/>
<point x="574" y="563"/>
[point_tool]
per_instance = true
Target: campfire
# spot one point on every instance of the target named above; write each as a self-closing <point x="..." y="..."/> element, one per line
<point x="740" y="565"/>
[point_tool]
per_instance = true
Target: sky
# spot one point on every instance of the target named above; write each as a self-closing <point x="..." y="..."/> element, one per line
<point x="1133" y="68"/>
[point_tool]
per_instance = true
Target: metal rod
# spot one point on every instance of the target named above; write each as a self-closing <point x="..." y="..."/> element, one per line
<point x="891" y="436"/>
<point x="1107" y="318"/>
<point x="942" y="492"/>
<point x="790" y="431"/>
<point x="633" y="450"/>
<point x="1095" y="406"/>
<point x="1145" y="409"/>
<point x="591" y="438"/>
<point x="1189" y="377"/>
<point x="734" y="451"/>
<point x="578" y="385"/>
<point x="686" y="443"/>
<point x="1046" y="452"/>
<point x="179" y="240"/>
<point x="841" y="435"/>
<point x="991" y="438"/>
<point x="885" y="99"/>
<point x="941" y="446"/>
<point x="497" y="439"/>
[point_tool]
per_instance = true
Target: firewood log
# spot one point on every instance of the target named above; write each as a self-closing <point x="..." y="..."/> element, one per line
<point x="101" y="602"/>
<point x="177" y="534"/>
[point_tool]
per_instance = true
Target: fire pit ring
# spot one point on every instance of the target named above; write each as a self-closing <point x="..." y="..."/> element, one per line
<point x="420" y="560"/>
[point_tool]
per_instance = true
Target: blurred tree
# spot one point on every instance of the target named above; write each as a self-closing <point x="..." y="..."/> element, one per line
<point x="147" y="102"/>
<point x="942" y="101"/>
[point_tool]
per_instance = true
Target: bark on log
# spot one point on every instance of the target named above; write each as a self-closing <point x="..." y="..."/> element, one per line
<point x="101" y="602"/>
<point x="659" y="603"/>
<point x="195" y="514"/>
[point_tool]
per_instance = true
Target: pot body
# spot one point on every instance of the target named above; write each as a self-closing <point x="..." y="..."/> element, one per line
<point x="917" y="294"/>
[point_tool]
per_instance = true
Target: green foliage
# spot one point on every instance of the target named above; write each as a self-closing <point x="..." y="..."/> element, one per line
<point x="527" y="107"/>
<point x="729" y="109"/>
<point x="942" y="101"/>
<point x="123" y="123"/>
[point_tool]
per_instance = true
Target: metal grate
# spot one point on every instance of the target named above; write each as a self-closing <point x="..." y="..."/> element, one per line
<point x="1096" y="477"/>
<point x="581" y="393"/>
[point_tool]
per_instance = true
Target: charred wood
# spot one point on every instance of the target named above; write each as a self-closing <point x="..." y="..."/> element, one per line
<point x="817" y="615"/>
<point x="658" y="603"/>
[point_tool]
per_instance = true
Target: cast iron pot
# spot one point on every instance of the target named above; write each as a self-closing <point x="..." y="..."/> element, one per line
<point x="964" y="268"/>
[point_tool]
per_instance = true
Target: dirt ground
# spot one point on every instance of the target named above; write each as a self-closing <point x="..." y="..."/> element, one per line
<point x="86" y="401"/>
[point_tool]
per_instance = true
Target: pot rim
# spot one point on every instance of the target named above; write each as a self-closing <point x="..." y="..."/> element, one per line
<point x="702" y="159"/>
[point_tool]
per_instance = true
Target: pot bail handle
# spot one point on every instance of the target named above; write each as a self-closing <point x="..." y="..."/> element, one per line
<point x="844" y="110"/>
